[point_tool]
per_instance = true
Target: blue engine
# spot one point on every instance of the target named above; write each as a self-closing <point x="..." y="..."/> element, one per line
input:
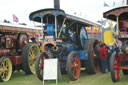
<point x="49" y="29"/>
<point x="62" y="49"/>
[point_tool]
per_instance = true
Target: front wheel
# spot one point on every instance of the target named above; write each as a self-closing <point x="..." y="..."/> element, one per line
<point x="73" y="66"/>
<point x="40" y="65"/>
<point x="5" y="69"/>
<point x="114" y="67"/>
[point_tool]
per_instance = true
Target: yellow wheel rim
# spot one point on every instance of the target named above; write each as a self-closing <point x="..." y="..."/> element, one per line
<point x="34" y="51"/>
<point x="6" y="69"/>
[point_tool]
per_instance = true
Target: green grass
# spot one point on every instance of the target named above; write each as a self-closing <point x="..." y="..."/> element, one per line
<point x="19" y="78"/>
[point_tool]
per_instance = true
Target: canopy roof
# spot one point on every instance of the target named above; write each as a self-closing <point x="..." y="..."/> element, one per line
<point x="121" y="12"/>
<point x="6" y="27"/>
<point x="37" y="15"/>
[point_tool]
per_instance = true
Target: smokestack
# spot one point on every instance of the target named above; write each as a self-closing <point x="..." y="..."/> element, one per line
<point x="57" y="4"/>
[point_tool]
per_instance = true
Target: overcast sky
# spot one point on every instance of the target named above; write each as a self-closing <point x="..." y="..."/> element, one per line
<point x="88" y="9"/>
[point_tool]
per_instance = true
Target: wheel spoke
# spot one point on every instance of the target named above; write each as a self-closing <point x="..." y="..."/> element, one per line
<point x="41" y="72"/>
<point x="32" y="58"/>
<point x="117" y="74"/>
<point x="31" y="53"/>
<point x="34" y="49"/>
<point x="72" y="63"/>
<point x="116" y="67"/>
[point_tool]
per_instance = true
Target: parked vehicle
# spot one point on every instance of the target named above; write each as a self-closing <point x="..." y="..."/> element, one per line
<point x="16" y="50"/>
<point x="119" y="59"/>
<point x="65" y="38"/>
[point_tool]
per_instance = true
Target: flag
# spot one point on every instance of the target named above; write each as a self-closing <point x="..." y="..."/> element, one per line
<point x="15" y="19"/>
<point x="102" y="22"/>
<point x="106" y="5"/>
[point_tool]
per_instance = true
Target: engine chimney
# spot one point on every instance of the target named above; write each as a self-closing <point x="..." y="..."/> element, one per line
<point x="57" y="4"/>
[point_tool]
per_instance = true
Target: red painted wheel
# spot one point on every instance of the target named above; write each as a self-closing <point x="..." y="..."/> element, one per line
<point x="114" y="67"/>
<point x="73" y="66"/>
<point x="93" y="62"/>
<point x="40" y="65"/>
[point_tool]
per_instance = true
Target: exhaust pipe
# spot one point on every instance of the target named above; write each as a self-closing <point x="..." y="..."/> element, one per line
<point x="57" y="4"/>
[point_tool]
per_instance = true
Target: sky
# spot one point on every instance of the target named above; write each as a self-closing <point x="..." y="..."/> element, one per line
<point x="89" y="9"/>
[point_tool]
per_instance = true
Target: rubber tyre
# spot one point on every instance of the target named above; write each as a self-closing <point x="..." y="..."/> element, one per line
<point x="114" y="65"/>
<point x="26" y="55"/>
<point x="9" y="68"/>
<point x="73" y="68"/>
<point x="39" y="65"/>
<point x="86" y="61"/>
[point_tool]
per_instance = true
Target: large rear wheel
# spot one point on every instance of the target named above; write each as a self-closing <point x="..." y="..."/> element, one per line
<point x="114" y="67"/>
<point x="40" y="65"/>
<point x="29" y="55"/>
<point x="93" y="63"/>
<point x="73" y="66"/>
<point x="86" y="61"/>
<point x="5" y="69"/>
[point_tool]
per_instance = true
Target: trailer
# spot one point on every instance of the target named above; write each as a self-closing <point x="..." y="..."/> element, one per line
<point x="17" y="49"/>
<point x="65" y="37"/>
<point x="119" y="59"/>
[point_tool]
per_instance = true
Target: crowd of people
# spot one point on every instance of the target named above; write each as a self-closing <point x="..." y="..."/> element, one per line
<point x="104" y="53"/>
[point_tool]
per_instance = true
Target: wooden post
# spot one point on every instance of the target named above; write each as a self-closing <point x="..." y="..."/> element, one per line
<point x="55" y="27"/>
<point x="117" y="22"/>
<point x="61" y="27"/>
<point x="42" y="27"/>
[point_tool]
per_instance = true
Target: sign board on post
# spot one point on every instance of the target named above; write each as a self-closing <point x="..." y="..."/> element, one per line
<point x="50" y="70"/>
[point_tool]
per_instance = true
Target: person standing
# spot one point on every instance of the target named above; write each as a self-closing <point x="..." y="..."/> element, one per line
<point x="108" y="57"/>
<point x="103" y="58"/>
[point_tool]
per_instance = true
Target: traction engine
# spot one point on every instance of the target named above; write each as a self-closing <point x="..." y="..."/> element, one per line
<point x="119" y="58"/>
<point x="65" y="38"/>
<point x="16" y="51"/>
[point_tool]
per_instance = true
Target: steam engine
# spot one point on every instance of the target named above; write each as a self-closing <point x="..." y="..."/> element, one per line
<point x="60" y="47"/>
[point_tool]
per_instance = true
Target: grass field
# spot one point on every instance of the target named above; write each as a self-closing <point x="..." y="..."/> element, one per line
<point x="19" y="78"/>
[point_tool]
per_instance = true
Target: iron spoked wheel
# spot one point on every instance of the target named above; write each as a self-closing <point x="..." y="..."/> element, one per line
<point x="114" y="67"/>
<point x="94" y="66"/>
<point x="40" y="65"/>
<point x="29" y="55"/>
<point x="73" y="66"/>
<point x="5" y="69"/>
